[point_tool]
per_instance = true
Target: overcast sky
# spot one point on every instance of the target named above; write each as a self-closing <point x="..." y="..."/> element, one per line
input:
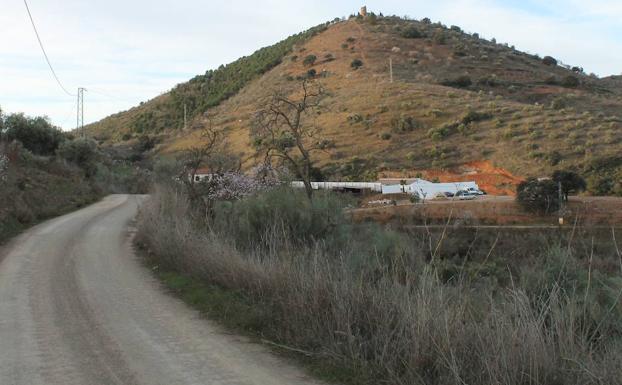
<point x="128" y="51"/>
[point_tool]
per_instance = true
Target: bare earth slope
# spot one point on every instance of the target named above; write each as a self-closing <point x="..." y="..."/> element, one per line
<point x="76" y="307"/>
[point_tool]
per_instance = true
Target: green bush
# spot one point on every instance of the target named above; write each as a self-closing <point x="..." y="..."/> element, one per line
<point x="356" y="64"/>
<point x="538" y="196"/>
<point x="412" y="32"/>
<point x="35" y="133"/>
<point x="81" y="152"/>
<point x="309" y="60"/>
<point x="442" y="132"/>
<point x="462" y="81"/>
<point x="282" y="212"/>
<point x="440" y="37"/>
<point x="554" y="158"/>
<point x="475" y="116"/>
<point x="571" y="182"/>
<point x="549" y="61"/>
<point x="405" y="124"/>
<point x="570" y="81"/>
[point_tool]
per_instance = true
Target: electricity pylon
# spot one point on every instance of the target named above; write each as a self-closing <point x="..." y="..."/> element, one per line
<point x="80" y="111"/>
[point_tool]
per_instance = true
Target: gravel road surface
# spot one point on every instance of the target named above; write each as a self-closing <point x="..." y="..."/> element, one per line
<point x="76" y="307"/>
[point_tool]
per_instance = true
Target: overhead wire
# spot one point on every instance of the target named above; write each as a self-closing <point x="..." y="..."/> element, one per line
<point x="47" y="59"/>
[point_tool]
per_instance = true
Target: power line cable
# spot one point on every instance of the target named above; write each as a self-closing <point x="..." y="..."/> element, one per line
<point x="102" y="93"/>
<point x="44" y="53"/>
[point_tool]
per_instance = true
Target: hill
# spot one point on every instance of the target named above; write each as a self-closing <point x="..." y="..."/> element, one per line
<point x="455" y="99"/>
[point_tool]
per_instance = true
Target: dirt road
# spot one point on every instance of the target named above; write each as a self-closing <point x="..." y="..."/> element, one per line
<point x="76" y="307"/>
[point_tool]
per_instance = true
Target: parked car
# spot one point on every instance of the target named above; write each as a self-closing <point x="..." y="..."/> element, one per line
<point x="448" y="194"/>
<point x="475" y="191"/>
<point x="465" y="195"/>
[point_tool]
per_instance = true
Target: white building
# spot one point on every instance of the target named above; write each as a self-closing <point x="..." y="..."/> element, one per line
<point x="427" y="189"/>
<point x="343" y="186"/>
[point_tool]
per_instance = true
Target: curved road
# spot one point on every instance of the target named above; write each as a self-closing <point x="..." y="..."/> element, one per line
<point x="76" y="307"/>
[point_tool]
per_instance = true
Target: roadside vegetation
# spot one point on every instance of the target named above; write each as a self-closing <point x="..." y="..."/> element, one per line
<point x="364" y="304"/>
<point x="45" y="172"/>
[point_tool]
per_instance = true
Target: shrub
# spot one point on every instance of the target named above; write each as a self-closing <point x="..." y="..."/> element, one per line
<point x="489" y="81"/>
<point x="356" y="64"/>
<point x="538" y="196"/>
<point x="82" y="152"/>
<point x="35" y="133"/>
<point x="4" y="166"/>
<point x="280" y="210"/>
<point x="440" y="37"/>
<point x="462" y="81"/>
<point x="559" y="103"/>
<point x="549" y="61"/>
<point x="455" y="28"/>
<point x="440" y="133"/>
<point x="570" y="81"/>
<point x="145" y="143"/>
<point x="554" y="158"/>
<point x="404" y="124"/>
<point x="475" y="116"/>
<point x="385" y="136"/>
<point x="600" y="185"/>
<point x="412" y="32"/>
<point x="571" y="182"/>
<point x="355" y="118"/>
<point x="309" y="60"/>
<point x="311" y="73"/>
<point x="551" y="80"/>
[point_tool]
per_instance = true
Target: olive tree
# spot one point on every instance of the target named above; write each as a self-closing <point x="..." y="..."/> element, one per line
<point x="539" y="196"/>
<point x="37" y="134"/>
<point x="571" y="182"/>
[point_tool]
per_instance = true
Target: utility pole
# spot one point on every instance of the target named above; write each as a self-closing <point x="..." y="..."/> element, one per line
<point x="560" y="197"/>
<point x="391" y="68"/>
<point x="185" y="117"/>
<point x="80" y="111"/>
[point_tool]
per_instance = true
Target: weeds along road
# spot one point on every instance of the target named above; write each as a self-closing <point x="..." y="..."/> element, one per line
<point x="76" y="307"/>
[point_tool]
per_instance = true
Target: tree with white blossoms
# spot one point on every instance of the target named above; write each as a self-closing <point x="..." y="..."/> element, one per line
<point x="235" y="185"/>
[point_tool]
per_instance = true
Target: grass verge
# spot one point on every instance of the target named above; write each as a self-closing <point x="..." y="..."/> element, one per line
<point x="236" y="313"/>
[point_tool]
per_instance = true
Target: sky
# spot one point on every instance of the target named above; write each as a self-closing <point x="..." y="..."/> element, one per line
<point x="125" y="52"/>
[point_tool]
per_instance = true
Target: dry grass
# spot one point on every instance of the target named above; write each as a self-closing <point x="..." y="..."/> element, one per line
<point x="392" y="318"/>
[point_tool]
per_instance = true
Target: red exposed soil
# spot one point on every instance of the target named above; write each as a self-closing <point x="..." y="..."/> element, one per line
<point x="493" y="180"/>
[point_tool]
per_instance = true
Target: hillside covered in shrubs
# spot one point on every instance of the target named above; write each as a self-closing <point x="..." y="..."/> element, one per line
<point x="455" y="98"/>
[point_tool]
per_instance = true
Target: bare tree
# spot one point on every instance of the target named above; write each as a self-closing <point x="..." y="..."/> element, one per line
<point x="282" y="131"/>
<point x="210" y="152"/>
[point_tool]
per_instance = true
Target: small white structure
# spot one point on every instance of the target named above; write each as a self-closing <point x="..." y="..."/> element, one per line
<point x="346" y="186"/>
<point x="203" y="174"/>
<point x="427" y="189"/>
